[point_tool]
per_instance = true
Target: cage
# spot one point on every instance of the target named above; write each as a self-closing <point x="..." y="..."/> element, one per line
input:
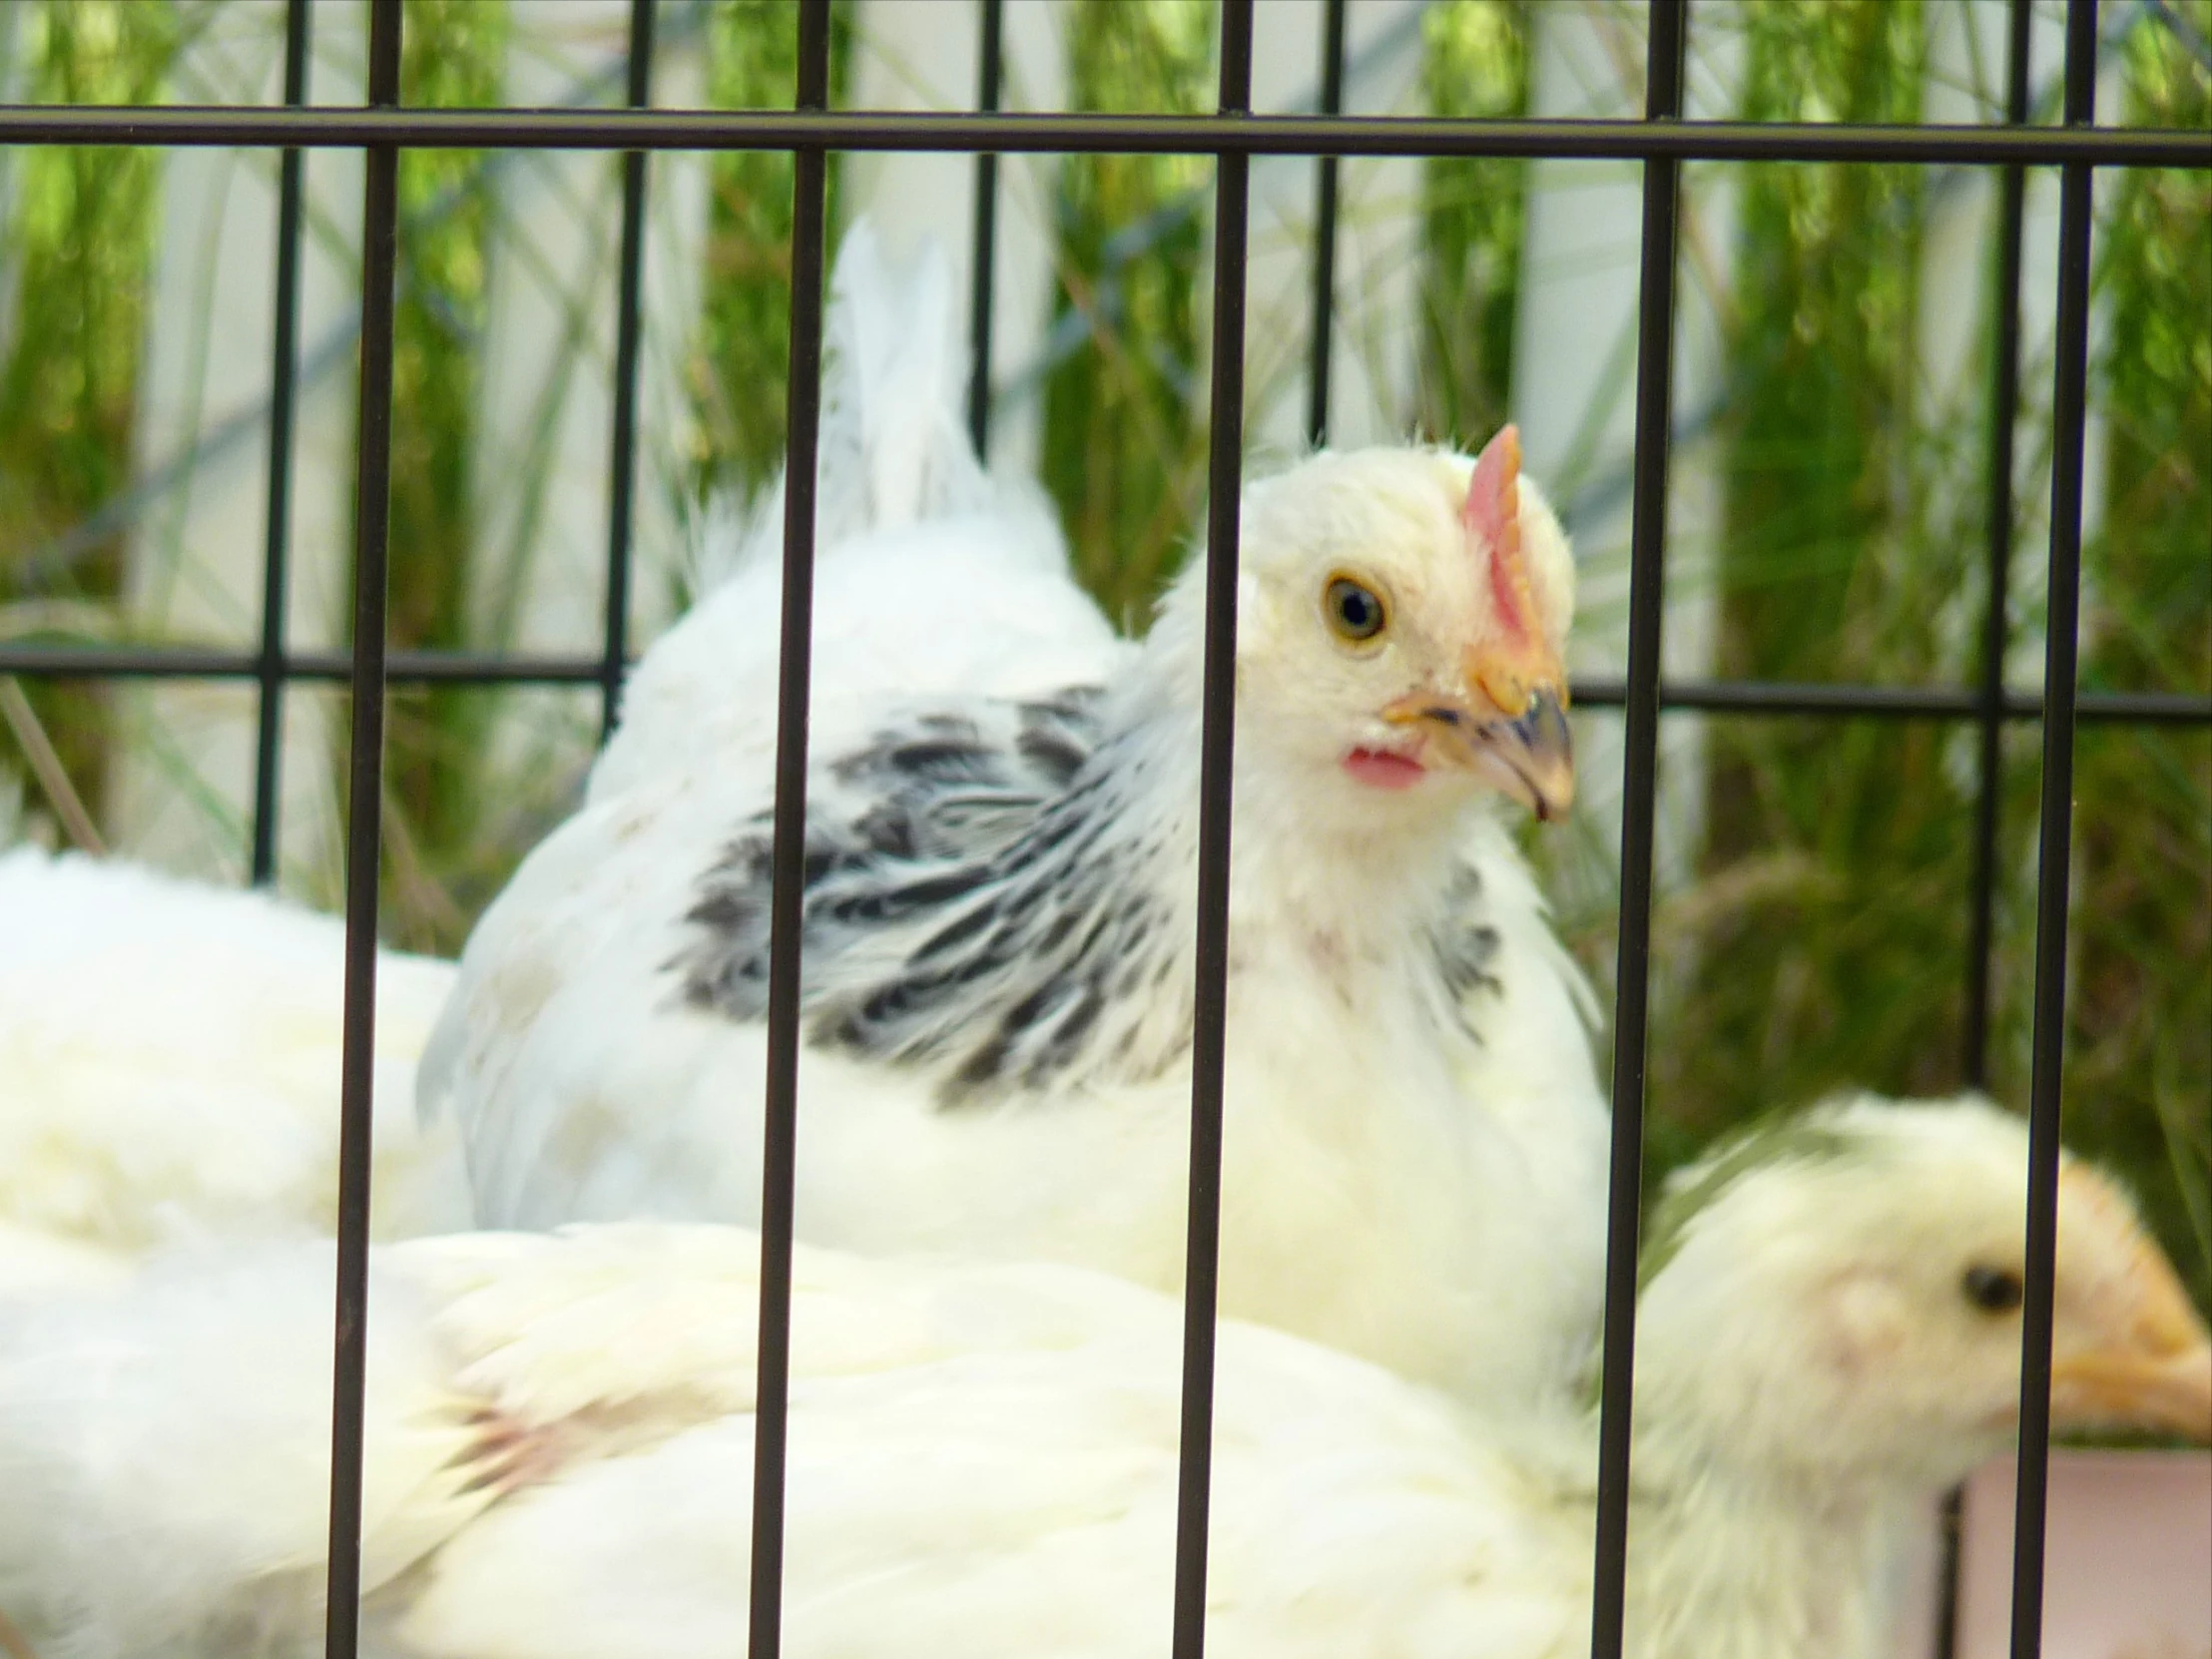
<point x="1231" y="137"/>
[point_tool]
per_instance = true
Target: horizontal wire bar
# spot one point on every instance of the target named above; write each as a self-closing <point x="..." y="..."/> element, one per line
<point x="447" y="668"/>
<point x="1027" y="132"/>
<point x="1766" y="697"/>
<point x="188" y="662"/>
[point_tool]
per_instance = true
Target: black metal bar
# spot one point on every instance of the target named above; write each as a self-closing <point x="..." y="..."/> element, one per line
<point x="363" y="841"/>
<point x="159" y="662"/>
<point x="622" y="467"/>
<point x="284" y="374"/>
<point x="2053" y="858"/>
<point x="989" y="69"/>
<point x="2005" y="404"/>
<point x="1027" y="132"/>
<point x="1777" y="699"/>
<point x="803" y="394"/>
<point x="1663" y="76"/>
<point x="1781" y="698"/>
<point x="1324" y="229"/>
<point x="1216" y="786"/>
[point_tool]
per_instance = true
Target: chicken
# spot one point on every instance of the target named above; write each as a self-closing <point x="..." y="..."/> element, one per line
<point x="169" y="1065"/>
<point x="983" y="1457"/>
<point x="998" y="935"/>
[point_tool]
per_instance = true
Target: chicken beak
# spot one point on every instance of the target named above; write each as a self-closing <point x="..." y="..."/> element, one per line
<point x="2156" y="1375"/>
<point x="1506" y="722"/>
<point x="1528" y="756"/>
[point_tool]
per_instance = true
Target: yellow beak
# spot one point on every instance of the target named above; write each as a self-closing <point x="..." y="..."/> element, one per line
<point x="1529" y="757"/>
<point x="2156" y="1375"/>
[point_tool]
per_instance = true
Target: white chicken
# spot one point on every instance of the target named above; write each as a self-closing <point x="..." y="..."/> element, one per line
<point x="982" y="1459"/>
<point x="998" y="936"/>
<point x="168" y="1066"/>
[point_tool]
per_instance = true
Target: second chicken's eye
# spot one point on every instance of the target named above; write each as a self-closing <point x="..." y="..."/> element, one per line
<point x="1993" y="1290"/>
<point x="1355" y="611"/>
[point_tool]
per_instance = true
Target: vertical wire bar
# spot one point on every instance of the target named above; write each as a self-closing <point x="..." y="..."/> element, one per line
<point x="363" y="835"/>
<point x="988" y="73"/>
<point x="2071" y="349"/>
<point x="2005" y="402"/>
<point x="1664" y="63"/>
<point x="283" y="371"/>
<point x="1217" y="753"/>
<point x="810" y="173"/>
<point x="622" y="461"/>
<point x="1324" y="229"/>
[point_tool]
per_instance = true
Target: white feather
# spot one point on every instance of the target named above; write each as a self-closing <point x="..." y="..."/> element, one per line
<point x="983" y="1458"/>
<point x="167" y="1473"/>
<point x="168" y="1066"/>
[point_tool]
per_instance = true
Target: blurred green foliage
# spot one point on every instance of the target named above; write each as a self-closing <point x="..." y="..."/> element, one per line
<point x="1475" y="65"/>
<point x="75" y="254"/>
<point x="453" y="56"/>
<point x="1125" y="433"/>
<point x="1826" y="573"/>
<point x="1824" y="943"/>
<point x="2139" y="1044"/>
<point x="736" y="373"/>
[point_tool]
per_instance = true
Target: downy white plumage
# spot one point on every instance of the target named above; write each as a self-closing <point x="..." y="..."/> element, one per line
<point x="999" y="916"/>
<point x="168" y="1066"/>
<point x="982" y="1457"/>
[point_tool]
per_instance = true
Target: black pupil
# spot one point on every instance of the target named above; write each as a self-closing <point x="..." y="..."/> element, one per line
<point x="1356" y="609"/>
<point x="1992" y="1288"/>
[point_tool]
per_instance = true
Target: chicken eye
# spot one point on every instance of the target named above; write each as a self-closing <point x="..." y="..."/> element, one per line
<point x="1993" y="1290"/>
<point x="1355" y="611"/>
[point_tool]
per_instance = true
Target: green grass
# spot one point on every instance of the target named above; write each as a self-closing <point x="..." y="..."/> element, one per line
<point x="2139" y="1058"/>
<point x="1826" y="572"/>
<point x="453" y="57"/>
<point x="1124" y="432"/>
<point x="77" y="249"/>
<point x="1824" y="943"/>
<point x="737" y="371"/>
<point x="1474" y="64"/>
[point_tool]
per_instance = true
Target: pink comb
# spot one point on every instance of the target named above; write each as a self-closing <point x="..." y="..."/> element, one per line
<point x="1492" y="518"/>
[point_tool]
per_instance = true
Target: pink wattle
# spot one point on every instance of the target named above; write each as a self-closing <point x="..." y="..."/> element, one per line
<point x="1384" y="770"/>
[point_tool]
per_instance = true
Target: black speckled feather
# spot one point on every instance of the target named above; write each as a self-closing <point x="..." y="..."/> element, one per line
<point x="968" y="907"/>
<point x="976" y="903"/>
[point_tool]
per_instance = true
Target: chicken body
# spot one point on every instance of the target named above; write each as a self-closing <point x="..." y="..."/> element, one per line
<point x="999" y="974"/>
<point x="982" y="1459"/>
<point x="168" y="1067"/>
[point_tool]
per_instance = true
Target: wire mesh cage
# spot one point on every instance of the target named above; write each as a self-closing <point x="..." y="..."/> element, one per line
<point x="1662" y="142"/>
